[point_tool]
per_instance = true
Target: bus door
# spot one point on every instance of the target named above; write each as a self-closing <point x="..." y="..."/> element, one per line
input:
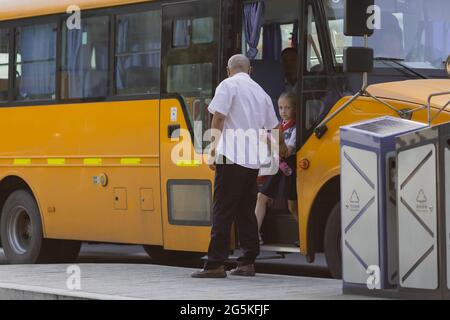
<point x="190" y="73"/>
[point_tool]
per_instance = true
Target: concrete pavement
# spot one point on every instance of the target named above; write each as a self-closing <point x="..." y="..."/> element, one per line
<point x="142" y="281"/>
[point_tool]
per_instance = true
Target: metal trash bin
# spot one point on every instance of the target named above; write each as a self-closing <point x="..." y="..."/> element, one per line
<point x="424" y="213"/>
<point x="368" y="215"/>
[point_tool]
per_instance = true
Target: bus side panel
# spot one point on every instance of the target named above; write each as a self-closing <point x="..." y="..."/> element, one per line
<point x="66" y="151"/>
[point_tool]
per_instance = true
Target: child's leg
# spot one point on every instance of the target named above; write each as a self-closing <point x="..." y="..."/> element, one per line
<point x="260" y="210"/>
<point x="292" y="206"/>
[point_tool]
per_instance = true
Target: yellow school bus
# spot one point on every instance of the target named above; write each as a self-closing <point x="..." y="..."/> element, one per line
<point x="93" y="94"/>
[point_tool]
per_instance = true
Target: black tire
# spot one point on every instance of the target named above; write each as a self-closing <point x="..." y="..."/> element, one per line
<point x="21" y="230"/>
<point x="332" y="242"/>
<point x="22" y="235"/>
<point x="160" y="255"/>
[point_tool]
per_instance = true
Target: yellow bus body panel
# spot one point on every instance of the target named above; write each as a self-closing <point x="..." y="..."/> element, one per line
<point x="60" y="150"/>
<point x="32" y="8"/>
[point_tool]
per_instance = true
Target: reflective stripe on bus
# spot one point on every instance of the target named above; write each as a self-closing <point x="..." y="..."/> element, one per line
<point x="22" y="161"/>
<point x="188" y="163"/>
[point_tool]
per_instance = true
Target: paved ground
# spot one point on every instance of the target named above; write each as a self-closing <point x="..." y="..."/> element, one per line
<point x="268" y="262"/>
<point x="126" y="272"/>
<point x="141" y="281"/>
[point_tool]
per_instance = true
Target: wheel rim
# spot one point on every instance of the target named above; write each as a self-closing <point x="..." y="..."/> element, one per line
<point x="19" y="230"/>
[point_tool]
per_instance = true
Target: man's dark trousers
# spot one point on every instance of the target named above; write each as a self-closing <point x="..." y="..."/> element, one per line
<point x="235" y="194"/>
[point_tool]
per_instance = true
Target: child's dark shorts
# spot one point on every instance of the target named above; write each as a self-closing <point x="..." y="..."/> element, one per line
<point x="281" y="186"/>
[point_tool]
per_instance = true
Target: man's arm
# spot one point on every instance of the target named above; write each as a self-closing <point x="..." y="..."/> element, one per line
<point x="218" y="121"/>
<point x="284" y="151"/>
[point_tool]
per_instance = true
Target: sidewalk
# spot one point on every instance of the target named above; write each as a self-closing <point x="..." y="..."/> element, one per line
<point x="136" y="281"/>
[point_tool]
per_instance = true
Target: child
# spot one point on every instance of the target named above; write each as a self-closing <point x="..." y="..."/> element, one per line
<point x="283" y="183"/>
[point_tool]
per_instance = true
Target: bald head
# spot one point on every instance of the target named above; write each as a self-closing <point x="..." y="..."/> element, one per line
<point x="238" y="63"/>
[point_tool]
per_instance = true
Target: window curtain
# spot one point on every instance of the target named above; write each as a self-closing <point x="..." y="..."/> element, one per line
<point x="181" y="37"/>
<point x="87" y="61"/>
<point x="253" y="17"/>
<point x="77" y="64"/>
<point x="272" y="42"/>
<point x="123" y="62"/>
<point x="37" y="57"/>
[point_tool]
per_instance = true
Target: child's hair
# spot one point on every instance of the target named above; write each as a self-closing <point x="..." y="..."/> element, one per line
<point x="291" y="97"/>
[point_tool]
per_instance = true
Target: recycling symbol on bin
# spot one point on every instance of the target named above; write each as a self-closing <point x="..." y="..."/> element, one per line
<point x="421" y="197"/>
<point x="354" y="198"/>
<point x="353" y="204"/>
<point x="421" y="202"/>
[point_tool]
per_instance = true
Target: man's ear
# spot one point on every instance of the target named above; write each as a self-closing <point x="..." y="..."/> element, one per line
<point x="250" y="70"/>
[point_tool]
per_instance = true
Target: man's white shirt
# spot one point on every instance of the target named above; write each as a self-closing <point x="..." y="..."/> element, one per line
<point x="248" y="110"/>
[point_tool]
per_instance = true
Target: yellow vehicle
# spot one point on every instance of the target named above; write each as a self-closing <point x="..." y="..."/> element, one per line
<point x="91" y="107"/>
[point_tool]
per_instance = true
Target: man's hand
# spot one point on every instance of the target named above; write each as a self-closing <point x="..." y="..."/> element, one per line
<point x="212" y="159"/>
<point x="217" y="123"/>
<point x="284" y="151"/>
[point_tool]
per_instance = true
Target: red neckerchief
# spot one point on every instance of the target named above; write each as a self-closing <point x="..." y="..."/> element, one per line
<point x="287" y="125"/>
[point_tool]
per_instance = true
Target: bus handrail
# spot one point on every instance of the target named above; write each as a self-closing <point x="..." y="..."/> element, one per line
<point x="430" y="97"/>
<point x="402" y="113"/>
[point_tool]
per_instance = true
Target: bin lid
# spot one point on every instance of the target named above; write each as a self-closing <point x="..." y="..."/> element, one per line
<point x="385" y="126"/>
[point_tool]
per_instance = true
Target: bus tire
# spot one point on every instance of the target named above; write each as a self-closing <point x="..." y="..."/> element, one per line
<point x="332" y="242"/>
<point x="21" y="231"/>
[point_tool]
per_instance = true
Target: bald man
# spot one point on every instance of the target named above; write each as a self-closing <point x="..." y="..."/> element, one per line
<point x="239" y="105"/>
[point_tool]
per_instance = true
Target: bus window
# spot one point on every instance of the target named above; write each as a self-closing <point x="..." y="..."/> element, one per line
<point x="190" y="79"/>
<point x="194" y="83"/>
<point x="138" y="53"/>
<point x="418" y="35"/>
<point x="203" y="30"/>
<point x="190" y="61"/>
<point x="281" y="33"/>
<point x="85" y="60"/>
<point x="36" y="62"/>
<point x="314" y="55"/>
<point x="4" y="64"/>
<point x="195" y="31"/>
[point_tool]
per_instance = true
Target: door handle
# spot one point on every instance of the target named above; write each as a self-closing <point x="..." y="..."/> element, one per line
<point x="173" y="131"/>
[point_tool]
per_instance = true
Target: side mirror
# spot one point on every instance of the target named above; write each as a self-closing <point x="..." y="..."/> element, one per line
<point x="356" y="17"/>
<point x="447" y="66"/>
<point x="358" y="59"/>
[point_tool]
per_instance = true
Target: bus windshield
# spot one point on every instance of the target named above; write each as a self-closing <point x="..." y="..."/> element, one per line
<point x="416" y="32"/>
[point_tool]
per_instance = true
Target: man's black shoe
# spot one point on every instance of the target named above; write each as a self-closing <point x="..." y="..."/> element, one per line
<point x="210" y="273"/>
<point x="246" y="271"/>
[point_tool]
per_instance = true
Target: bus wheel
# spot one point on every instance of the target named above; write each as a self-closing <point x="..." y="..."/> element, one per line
<point x="159" y="254"/>
<point x="21" y="231"/>
<point x="332" y="242"/>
